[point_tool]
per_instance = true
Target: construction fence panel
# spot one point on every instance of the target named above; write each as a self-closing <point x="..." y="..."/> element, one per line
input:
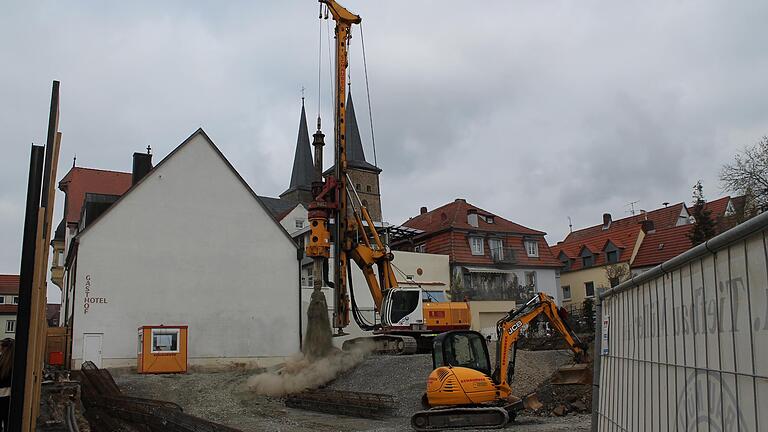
<point x="685" y="346"/>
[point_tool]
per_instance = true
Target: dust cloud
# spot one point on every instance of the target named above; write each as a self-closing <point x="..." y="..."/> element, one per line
<point x="320" y="362"/>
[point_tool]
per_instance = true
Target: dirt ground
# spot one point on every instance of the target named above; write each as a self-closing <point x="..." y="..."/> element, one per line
<point x="223" y="397"/>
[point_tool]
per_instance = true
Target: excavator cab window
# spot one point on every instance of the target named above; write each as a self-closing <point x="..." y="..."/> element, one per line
<point x="403" y="304"/>
<point x="463" y="348"/>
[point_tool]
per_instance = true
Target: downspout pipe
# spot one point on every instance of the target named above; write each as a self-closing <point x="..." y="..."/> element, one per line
<point x="299" y="257"/>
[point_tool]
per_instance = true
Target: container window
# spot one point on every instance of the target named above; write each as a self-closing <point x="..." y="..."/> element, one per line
<point x="141" y="341"/>
<point x="165" y="340"/>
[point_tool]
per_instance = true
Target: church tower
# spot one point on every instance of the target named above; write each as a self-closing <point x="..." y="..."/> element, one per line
<point x="303" y="174"/>
<point x="363" y="175"/>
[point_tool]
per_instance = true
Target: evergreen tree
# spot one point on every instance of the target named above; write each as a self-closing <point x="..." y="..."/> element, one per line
<point x="704" y="227"/>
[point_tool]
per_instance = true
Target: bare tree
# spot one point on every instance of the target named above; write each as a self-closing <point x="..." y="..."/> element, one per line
<point x="616" y="273"/>
<point x="748" y="174"/>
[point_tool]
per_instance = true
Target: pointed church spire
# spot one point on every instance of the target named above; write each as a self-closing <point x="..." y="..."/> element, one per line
<point x="303" y="168"/>
<point x="355" y="152"/>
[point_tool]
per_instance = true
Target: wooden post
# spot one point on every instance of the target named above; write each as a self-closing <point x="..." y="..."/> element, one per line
<point x="24" y="412"/>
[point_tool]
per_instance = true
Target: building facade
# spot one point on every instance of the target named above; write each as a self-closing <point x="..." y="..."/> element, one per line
<point x="9" y="300"/>
<point x="188" y="244"/>
<point x="494" y="263"/>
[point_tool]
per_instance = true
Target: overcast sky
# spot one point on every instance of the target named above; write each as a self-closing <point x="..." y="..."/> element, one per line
<point x="535" y="110"/>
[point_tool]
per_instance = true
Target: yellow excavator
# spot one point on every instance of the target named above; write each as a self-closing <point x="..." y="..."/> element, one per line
<point x="410" y="318"/>
<point x="463" y="392"/>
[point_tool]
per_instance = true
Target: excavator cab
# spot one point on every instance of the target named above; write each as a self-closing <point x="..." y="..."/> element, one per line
<point x="461" y="348"/>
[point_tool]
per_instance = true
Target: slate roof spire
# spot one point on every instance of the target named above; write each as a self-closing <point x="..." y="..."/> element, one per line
<point x="355" y="153"/>
<point x="303" y="172"/>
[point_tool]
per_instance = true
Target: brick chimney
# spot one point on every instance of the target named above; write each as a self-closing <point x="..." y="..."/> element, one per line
<point x="422" y="210"/>
<point x="647" y="226"/>
<point x="606" y="220"/>
<point x="142" y="164"/>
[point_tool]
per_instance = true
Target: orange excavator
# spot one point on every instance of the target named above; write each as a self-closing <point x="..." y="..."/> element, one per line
<point x="463" y="392"/>
<point x="410" y="318"/>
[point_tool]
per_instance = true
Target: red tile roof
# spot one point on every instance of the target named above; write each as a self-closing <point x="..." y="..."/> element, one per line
<point x="79" y="180"/>
<point x="665" y="217"/>
<point x="718" y="206"/>
<point x="454" y="215"/>
<point x="624" y="237"/>
<point x="9" y="284"/>
<point x="662" y="245"/>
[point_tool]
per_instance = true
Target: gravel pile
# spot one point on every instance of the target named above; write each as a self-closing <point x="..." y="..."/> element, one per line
<point x="405" y="377"/>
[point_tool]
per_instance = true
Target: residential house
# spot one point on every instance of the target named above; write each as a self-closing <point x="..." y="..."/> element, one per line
<point x="601" y="256"/>
<point x="9" y="300"/>
<point x="189" y="243"/>
<point x="495" y="263"/>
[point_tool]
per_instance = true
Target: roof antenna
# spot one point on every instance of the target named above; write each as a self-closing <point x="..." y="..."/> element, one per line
<point x="570" y="225"/>
<point x="631" y="206"/>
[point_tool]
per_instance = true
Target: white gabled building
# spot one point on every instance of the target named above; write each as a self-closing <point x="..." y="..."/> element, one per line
<point x="188" y="244"/>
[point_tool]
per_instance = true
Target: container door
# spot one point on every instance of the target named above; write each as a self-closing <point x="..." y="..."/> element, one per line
<point x="92" y="348"/>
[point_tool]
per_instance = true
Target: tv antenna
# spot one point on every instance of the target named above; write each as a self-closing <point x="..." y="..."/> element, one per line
<point x="631" y="206"/>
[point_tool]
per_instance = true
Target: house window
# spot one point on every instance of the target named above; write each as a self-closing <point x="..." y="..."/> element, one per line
<point x="567" y="292"/>
<point x="566" y="264"/>
<point x="2" y="299"/>
<point x="368" y="188"/>
<point x="477" y="245"/>
<point x="357" y="187"/>
<point x="612" y="256"/>
<point x="10" y="326"/>
<point x="532" y="247"/>
<point x="165" y="340"/>
<point x="421" y="248"/>
<point x="587" y="261"/>
<point x="299" y="223"/>
<point x="589" y="287"/>
<point x="309" y="276"/>
<point x="15" y="299"/>
<point x="497" y="249"/>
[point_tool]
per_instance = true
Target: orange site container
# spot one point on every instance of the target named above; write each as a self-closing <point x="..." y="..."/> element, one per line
<point x="162" y="349"/>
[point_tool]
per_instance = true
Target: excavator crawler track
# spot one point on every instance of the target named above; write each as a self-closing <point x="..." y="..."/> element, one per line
<point x="383" y="344"/>
<point x="460" y="418"/>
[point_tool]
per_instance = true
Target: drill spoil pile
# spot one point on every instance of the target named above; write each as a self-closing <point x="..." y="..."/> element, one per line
<point x="320" y="363"/>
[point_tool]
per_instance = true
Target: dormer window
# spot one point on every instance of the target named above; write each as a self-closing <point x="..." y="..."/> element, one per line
<point x="612" y="253"/>
<point x="489" y="219"/>
<point x="532" y="248"/>
<point x="730" y="210"/>
<point x="587" y="257"/>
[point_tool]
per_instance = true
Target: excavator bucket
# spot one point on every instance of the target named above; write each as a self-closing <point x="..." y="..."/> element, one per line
<point x="573" y="374"/>
<point x="532" y="402"/>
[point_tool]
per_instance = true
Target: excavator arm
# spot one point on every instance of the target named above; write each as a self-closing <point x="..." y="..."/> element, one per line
<point x="508" y="330"/>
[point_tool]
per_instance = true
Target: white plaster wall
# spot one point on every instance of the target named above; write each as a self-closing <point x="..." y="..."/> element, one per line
<point x="289" y="221"/>
<point x="549" y="282"/>
<point x="189" y="245"/>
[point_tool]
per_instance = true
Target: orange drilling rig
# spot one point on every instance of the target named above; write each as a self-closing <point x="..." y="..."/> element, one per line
<point x="339" y="220"/>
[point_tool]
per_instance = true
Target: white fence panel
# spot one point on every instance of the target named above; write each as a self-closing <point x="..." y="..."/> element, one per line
<point x="687" y="344"/>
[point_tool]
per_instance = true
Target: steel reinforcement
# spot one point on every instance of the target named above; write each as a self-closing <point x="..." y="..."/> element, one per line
<point x="684" y="346"/>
